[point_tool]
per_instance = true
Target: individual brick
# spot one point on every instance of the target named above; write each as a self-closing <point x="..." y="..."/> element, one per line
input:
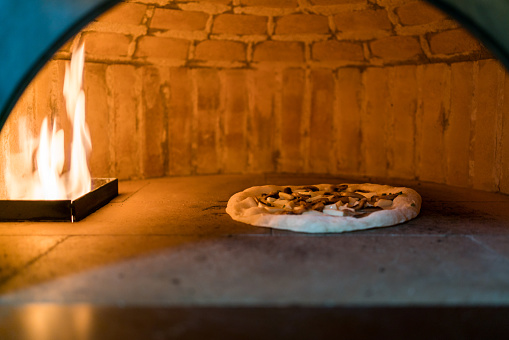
<point x="178" y="20"/>
<point x="347" y="121"/>
<point x="291" y="117"/>
<point x="504" y="143"/>
<point x="96" y="96"/>
<point x="102" y="44"/>
<point x="22" y="111"/>
<point x="402" y="131"/>
<point x="374" y="121"/>
<point x="224" y="50"/>
<point x="336" y="2"/>
<point x="453" y="41"/>
<point x="122" y="82"/>
<point x="162" y="48"/>
<point x="239" y="24"/>
<point x="66" y="48"/>
<point x="287" y="51"/>
<point x="362" y="21"/>
<point x="125" y="13"/>
<point x="302" y="24"/>
<point x="155" y="146"/>
<point x="321" y="125"/>
<point x="236" y="109"/>
<point x="180" y="120"/>
<point x="263" y="155"/>
<point x="485" y="142"/>
<point x="434" y="79"/>
<point x="397" y="48"/>
<point x="206" y="123"/>
<point x="337" y="50"/>
<point x="457" y="134"/>
<point x="419" y="13"/>
<point x="49" y="103"/>
<point x="270" y="3"/>
<point x="219" y="2"/>
<point x="48" y="97"/>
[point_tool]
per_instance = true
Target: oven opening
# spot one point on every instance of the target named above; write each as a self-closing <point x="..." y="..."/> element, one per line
<point x="190" y="102"/>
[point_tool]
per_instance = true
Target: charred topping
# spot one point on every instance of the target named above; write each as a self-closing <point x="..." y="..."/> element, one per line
<point x="339" y="187"/>
<point x="310" y="188"/>
<point x="287" y="201"/>
<point x="318" y="206"/>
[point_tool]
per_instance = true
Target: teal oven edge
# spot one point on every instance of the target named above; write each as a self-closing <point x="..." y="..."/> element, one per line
<point x="31" y="31"/>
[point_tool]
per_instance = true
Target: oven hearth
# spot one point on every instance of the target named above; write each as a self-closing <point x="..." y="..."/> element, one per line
<point x="168" y="243"/>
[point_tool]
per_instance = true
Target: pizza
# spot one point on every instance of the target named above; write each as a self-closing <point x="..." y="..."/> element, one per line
<point x="324" y="208"/>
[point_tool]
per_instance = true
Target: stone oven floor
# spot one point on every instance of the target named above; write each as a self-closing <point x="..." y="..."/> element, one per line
<point x="167" y="246"/>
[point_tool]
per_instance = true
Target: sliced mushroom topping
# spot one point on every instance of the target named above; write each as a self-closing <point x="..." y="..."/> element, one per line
<point x="314" y="199"/>
<point x="286" y="196"/>
<point x="301" y="195"/>
<point x="281" y="203"/>
<point x="310" y="188"/>
<point x="340" y="187"/>
<point x="299" y="210"/>
<point x="274" y="210"/>
<point x="361" y="204"/>
<point x="352" y="194"/>
<point x="271" y="199"/>
<point x="383" y="203"/>
<point x="262" y="200"/>
<point x="333" y="212"/>
<point x="273" y="194"/>
<point x="370" y="209"/>
<point x="391" y="196"/>
<point x="352" y="201"/>
<point x="318" y="206"/>
<point x="366" y="211"/>
<point x="335" y="198"/>
<point x="344" y="199"/>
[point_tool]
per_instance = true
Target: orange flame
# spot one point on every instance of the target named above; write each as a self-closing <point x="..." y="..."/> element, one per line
<point x="49" y="181"/>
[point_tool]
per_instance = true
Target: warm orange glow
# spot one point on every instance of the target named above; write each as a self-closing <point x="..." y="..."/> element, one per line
<point x="49" y="181"/>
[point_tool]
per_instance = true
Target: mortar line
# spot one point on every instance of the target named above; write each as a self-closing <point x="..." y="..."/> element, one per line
<point x="486" y="247"/>
<point x="32" y="261"/>
<point x="129" y="196"/>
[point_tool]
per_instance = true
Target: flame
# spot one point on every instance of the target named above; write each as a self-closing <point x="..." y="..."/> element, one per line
<point x="49" y="180"/>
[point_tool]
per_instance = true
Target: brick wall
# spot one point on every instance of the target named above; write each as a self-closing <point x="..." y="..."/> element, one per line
<point x="354" y="87"/>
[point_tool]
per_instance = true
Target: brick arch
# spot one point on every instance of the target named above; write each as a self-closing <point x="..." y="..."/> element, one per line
<point x="215" y="88"/>
<point x="44" y="30"/>
<point x="36" y="31"/>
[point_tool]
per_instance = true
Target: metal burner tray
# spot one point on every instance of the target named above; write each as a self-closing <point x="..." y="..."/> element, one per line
<point x="103" y="191"/>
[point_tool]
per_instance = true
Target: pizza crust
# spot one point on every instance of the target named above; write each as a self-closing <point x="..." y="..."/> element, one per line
<point x="242" y="207"/>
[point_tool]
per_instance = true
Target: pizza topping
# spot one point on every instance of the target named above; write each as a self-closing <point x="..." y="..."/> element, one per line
<point x="338" y="187"/>
<point x="315" y="198"/>
<point x="383" y="203"/>
<point x="310" y="188"/>
<point x="360" y="204"/>
<point x="338" y="200"/>
<point x="299" y="209"/>
<point x="286" y="196"/>
<point x="287" y="190"/>
<point x="318" y="206"/>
